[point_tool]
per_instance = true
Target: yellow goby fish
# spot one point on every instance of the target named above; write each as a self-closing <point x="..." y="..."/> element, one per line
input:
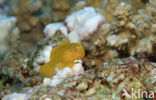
<point x="62" y="56"/>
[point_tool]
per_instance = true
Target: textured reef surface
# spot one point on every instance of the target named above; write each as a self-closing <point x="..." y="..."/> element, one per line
<point x="105" y="82"/>
<point x="118" y="37"/>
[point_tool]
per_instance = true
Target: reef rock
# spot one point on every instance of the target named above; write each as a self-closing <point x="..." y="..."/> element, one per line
<point x="108" y="81"/>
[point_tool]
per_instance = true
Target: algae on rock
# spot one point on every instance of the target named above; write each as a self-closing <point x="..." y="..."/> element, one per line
<point x="105" y="81"/>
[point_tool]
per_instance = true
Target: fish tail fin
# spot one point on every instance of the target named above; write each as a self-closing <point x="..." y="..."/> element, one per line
<point x="47" y="70"/>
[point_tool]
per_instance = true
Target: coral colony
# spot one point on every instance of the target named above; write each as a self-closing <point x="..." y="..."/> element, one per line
<point x="8" y="29"/>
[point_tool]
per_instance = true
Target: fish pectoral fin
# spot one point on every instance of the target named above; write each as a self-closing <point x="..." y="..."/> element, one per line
<point x="53" y="52"/>
<point x="47" y="70"/>
<point x="60" y="66"/>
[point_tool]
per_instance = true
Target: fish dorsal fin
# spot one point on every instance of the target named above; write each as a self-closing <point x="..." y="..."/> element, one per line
<point x="64" y="42"/>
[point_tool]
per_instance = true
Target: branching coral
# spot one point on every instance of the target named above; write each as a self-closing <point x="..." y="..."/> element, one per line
<point x="38" y="13"/>
<point x="9" y="32"/>
<point x="122" y="27"/>
<point x="52" y="28"/>
<point x="107" y="7"/>
<point x="32" y="15"/>
<point x="83" y="23"/>
<point x="137" y="30"/>
<point x="80" y="25"/>
<point x="129" y="34"/>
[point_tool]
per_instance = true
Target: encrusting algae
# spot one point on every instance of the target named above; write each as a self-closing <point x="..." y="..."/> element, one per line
<point x="62" y="56"/>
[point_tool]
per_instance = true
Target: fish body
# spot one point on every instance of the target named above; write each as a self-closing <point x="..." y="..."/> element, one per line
<point x="62" y="56"/>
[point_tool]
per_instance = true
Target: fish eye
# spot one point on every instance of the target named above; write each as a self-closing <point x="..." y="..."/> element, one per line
<point x="77" y="49"/>
<point x="70" y="51"/>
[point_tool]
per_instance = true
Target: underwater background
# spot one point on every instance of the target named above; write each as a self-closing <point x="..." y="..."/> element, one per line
<point x="77" y="49"/>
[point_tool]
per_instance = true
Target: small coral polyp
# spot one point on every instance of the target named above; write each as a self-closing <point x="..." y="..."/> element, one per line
<point x="62" y="56"/>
